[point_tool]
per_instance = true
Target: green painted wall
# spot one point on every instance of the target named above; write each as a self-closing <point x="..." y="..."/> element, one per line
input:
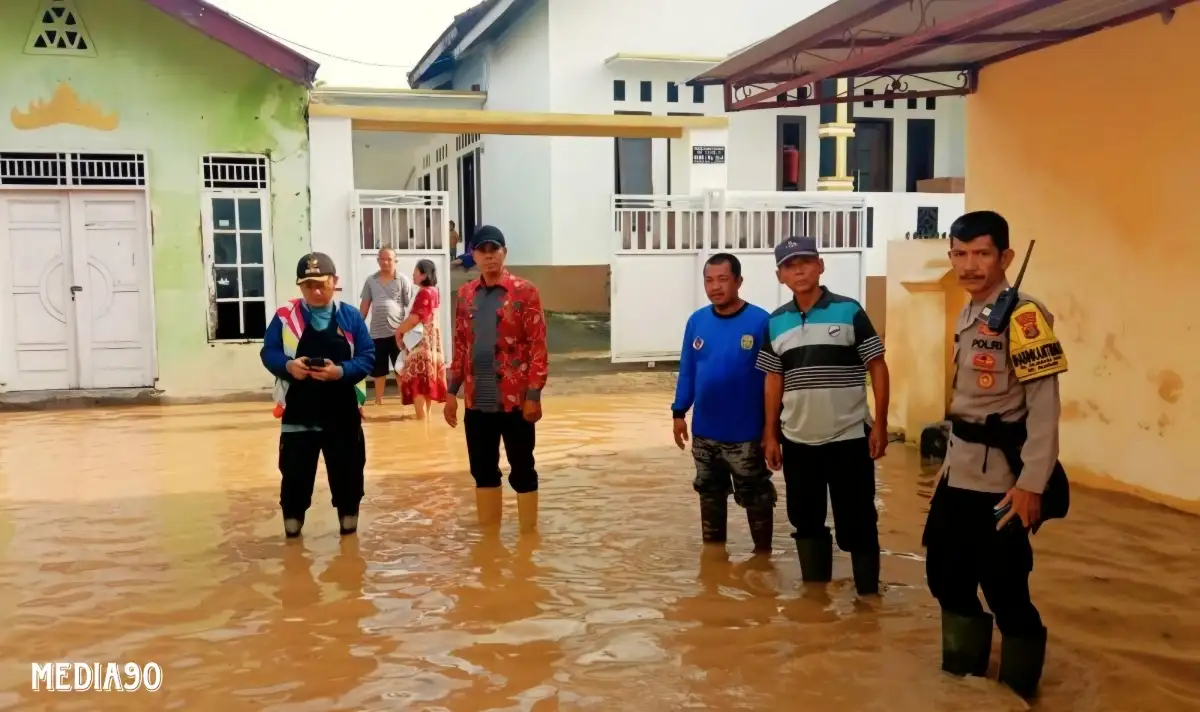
<point x="179" y="95"/>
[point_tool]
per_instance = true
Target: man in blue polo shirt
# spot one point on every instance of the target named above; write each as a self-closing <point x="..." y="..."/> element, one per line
<point x="717" y="375"/>
<point x="817" y="352"/>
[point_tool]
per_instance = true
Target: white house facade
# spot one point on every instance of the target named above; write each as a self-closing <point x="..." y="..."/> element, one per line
<point x="572" y="197"/>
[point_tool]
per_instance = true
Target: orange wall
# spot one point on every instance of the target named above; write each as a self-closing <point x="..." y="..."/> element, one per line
<point x="1093" y="148"/>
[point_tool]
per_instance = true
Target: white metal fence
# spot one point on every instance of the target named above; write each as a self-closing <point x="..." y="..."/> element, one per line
<point x="416" y="224"/>
<point x="662" y="242"/>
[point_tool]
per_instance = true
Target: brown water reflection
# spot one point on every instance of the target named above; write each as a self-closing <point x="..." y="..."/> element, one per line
<point x="152" y="535"/>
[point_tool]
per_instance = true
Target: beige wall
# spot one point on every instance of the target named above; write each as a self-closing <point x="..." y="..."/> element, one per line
<point x="578" y="288"/>
<point x="875" y="302"/>
<point x="923" y="301"/>
<point x="1091" y="147"/>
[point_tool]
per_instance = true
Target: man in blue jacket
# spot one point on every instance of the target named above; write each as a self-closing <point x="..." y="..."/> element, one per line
<point x="717" y="375"/>
<point x="320" y="352"/>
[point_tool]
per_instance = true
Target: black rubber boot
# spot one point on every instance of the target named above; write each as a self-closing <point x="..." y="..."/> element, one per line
<point x="762" y="526"/>
<point x="866" y="572"/>
<point x="1021" y="661"/>
<point x="966" y="644"/>
<point x="714" y="518"/>
<point x="816" y="559"/>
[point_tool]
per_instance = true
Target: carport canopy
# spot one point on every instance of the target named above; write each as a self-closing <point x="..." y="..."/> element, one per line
<point x="943" y="42"/>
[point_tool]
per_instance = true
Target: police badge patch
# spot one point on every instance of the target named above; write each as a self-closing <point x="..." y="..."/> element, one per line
<point x="698" y="343"/>
<point x="747" y="342"/>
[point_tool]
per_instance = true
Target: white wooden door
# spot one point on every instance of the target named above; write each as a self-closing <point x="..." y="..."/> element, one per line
<point x="75" y="291"/>
<point x="108" y="231"/>
<point x="38" y="319"/>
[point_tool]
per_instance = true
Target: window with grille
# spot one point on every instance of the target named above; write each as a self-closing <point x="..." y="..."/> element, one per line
<point x="231" y="172"/>
<point x="66" y="170"/>
<point x="237" y="246"/>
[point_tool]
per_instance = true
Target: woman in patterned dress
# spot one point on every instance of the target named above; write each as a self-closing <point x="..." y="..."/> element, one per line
<point x="423" y="379"/>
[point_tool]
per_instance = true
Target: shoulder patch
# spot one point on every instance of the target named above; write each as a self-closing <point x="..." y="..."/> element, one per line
<point x="1034" y="350"/>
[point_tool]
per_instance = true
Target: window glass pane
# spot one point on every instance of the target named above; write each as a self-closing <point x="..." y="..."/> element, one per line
<point x="635" y="166"/>
<point x="229" y="320"/>
<point x="223" y="218"/>
<point x="250" y="214"/>
<point x="252" y="282"/>
<point x="252" y="252"/>
<point x="225" y="248"/>
<point x="255" y="319"/>
<point x="227" y="282"/>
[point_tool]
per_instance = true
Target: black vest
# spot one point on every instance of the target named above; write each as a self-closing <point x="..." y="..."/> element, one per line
<point x="328" y="404"/>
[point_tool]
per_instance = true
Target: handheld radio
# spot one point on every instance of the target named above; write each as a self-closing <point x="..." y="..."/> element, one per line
<point x="1006" y="303"/>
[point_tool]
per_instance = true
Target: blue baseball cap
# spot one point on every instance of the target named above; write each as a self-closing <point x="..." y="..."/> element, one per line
<point x="795" y="247"/>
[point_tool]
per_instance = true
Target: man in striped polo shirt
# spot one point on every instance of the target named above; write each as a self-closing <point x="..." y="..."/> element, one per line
<point x="817" y="352"/>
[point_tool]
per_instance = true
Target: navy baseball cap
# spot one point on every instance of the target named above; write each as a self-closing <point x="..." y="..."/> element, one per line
<point x="795" y="247"/>
<point x="486" y="234"/>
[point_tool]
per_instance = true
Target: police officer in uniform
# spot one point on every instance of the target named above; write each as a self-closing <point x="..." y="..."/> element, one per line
<point x="1001" y="476"/>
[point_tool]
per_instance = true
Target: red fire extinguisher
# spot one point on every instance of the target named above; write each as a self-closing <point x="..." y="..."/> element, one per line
<point x="791" y="165"/>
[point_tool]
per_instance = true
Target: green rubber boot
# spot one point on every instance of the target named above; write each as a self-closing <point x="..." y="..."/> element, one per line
<point x="966" y="644"/>
<point x="816" y="559"/>
<point x="1021" y="661"/>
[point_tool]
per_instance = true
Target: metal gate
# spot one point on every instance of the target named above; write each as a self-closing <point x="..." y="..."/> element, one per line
<point x="414" y="223"/>
<point x="662" y="243"/>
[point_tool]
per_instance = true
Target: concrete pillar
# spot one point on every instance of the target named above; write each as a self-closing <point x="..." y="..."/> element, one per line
<point x="331" y="191"/>
<point x="834" y="134"/>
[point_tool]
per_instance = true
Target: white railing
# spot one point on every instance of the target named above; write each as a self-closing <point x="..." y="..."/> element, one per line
<point x="404" y="221"/>
<point x="744" y="220"/>
<point x="736" y="221"/>
<point x="649" y="223"/>
<point x="754" y="220"/>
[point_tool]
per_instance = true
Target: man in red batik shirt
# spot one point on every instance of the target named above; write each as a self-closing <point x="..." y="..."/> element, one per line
<point x="500" y="362"/>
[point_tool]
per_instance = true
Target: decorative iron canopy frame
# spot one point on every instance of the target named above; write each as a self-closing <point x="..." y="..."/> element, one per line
<point x="908" y="49"/>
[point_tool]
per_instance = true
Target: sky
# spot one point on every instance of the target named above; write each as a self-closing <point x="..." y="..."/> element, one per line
<point x="371" y="43"/>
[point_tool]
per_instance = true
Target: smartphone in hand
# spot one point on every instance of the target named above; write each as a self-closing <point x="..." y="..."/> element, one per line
<point x="316" y="362"/>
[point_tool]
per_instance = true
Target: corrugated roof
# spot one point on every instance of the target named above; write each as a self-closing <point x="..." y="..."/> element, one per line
<point x="860" y="38"/>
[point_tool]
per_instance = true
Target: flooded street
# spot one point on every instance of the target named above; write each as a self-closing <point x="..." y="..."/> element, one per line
<point x="153" y="535"/>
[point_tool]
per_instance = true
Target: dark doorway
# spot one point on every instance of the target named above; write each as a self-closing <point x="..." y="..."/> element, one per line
<point x="467" y="210"/>
<point x="790" y="138"/>
<point x="633" y="163"/>
<point x="920" y="152"/>
<point x="870" y="159"/>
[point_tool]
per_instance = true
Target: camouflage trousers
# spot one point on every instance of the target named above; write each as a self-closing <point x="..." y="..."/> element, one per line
<point x="739" y="468"/>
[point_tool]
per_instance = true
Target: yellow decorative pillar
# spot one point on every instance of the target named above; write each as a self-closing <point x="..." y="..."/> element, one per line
<point x="834" y="134"/>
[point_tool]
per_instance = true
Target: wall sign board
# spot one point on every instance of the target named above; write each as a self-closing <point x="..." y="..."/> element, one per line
<point x="708" y="154"/>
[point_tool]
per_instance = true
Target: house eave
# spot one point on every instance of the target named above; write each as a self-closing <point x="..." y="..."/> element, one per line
<point x="241" y="37"/>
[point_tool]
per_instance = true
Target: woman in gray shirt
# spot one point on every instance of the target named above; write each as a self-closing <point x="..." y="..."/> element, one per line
<point x="387" y="296"/>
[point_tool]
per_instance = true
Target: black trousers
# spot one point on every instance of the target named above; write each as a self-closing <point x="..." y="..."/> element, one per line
<point x="844" y="469"/>
<point x="965" y="553"/>
<point x="484" y="433"/>
<point x="345" y="453"/>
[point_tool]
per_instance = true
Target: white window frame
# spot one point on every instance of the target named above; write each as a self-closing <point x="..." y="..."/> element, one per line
<point x="263" y="195"/>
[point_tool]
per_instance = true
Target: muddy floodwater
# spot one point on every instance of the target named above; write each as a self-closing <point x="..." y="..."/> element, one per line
<point x="153" y="535"/>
